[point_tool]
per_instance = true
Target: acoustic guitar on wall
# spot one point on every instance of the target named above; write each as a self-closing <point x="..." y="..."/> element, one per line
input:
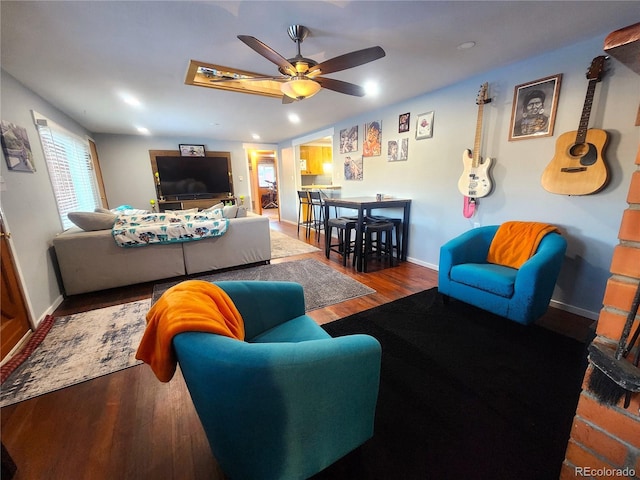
<point x="475" y="181"/>
<point x="578" y="166"/>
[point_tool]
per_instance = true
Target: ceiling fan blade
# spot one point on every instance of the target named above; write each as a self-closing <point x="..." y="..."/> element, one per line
<point x="348" y="60"/>
<point x="268" y="53"/>
<point x="340" y="86"/>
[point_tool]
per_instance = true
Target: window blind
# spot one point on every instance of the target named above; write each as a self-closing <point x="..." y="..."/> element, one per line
<point x="70" y="169"/>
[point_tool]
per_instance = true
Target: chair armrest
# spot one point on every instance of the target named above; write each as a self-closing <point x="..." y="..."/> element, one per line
<point x="263" y="305"/>
<point x="536" y="278"/>
<point x="322" y="393"/>
<point x="470" y="247"/>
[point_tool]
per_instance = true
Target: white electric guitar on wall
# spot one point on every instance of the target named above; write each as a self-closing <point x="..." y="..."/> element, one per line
<point x="475" y="181"/>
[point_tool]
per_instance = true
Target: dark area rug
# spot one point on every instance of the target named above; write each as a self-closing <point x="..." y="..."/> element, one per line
<point x="464" y="394"/>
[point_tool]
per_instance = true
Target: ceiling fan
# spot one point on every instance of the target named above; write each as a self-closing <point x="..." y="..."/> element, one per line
<point x="301" y="77"/>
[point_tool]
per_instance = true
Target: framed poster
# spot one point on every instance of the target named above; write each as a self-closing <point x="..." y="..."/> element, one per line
<point x="349" y="140"/>
<point x="191" y="150"/>
<point x="424" y="126"/>
<point x="16" y="148"/>
<point x="403" y="122"/>
<point x="534" y="108"/>
<point x="372" y="144"/>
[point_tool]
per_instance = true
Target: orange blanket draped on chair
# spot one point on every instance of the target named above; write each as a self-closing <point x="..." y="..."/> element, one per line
<point x="516" y="242"/>
<point x="190" y="306"/>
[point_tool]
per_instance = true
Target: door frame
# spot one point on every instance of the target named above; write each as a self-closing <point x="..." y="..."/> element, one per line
<point x="15" y="272"/>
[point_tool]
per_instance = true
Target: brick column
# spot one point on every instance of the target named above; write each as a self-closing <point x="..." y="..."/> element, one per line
<point x="605" y="440"/>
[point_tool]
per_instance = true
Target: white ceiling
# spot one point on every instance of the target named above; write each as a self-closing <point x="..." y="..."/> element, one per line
<point x="82" y="56"/>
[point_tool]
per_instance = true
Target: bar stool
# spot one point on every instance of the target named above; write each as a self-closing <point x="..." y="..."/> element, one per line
<point x="397" y="222"/>
<point x="317" y="212"/>
<point x="345" y="245"/>
<point x="304" y="203"/>
<point x="383" y="232"/>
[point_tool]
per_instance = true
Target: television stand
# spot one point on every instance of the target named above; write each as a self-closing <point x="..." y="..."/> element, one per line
<point x="200" y="203"/>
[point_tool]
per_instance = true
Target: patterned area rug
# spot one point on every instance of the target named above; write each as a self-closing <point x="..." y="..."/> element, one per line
<point x="322" y="285"/>
<point x="284" y="246"/>
<point x="79" y="347"/>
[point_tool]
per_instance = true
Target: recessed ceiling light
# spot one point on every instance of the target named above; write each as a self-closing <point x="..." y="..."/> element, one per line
<point x="143" y="130"/>
<point x="466" y="45"/>
<point x="130" y="99"/>
<point x="371" y="89"/>
<point x="294" y="118"/>
<point x="255" y="136"/>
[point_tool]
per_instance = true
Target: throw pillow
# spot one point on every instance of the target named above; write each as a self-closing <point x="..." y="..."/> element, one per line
<point x="242" y="212"/>
<point x="91" y="221"/>
<point x="217" y="206"/>
<point x="230" y="211"/>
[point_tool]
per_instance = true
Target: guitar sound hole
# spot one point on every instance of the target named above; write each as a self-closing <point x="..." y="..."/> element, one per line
<point x="586" y="152"/>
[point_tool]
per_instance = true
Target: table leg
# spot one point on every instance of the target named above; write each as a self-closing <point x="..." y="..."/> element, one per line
<point x="327" y="238"/>
<point x="405" y="231"/>
<point x="358" y="249"/>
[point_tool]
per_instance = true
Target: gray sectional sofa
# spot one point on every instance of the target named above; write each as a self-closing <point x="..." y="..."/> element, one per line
<point x="91" y="260"/>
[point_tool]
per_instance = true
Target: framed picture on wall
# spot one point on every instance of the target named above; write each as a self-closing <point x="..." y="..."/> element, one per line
<point x="349" y="139"/>
<point x="424" y="126"/>
<point x="534" y="108"/>
<point x="191" y="150"/>
<point x="403" y="122"/>
<point x="16" y="148"/>
<point x="372" y="143"/>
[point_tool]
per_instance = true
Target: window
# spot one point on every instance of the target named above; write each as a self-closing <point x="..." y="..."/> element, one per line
<point x="70" y="169"/>
<point x="266" y="175"/>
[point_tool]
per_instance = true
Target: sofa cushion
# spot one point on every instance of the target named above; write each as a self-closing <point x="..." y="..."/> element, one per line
<point x="92" y="221"/>
<point x="490" y="277"/>
<point x="299" y="329"/>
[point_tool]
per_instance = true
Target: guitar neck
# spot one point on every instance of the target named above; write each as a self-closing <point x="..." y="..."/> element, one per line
<point x="476" y="143"/>
<point x="586" y="112"/>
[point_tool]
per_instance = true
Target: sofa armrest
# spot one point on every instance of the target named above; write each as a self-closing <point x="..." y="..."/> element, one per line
<point x="263" y="305"/>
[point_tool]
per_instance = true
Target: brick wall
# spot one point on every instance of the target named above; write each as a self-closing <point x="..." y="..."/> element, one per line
<point x="605" y="440"/>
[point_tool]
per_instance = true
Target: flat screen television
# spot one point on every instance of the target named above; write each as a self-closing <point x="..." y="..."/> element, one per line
<point x="195" y="177"/>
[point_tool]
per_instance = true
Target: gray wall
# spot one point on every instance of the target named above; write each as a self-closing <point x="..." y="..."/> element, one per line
<point x="27" y="201"/>
<point x="429" y="177"/>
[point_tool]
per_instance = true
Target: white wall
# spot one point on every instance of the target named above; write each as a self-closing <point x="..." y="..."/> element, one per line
<point x="590" y="223"/>
<point x="27" y="200"/>
<point x="126" y="166"/>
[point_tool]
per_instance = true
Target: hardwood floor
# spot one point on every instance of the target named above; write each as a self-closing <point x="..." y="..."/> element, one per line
<point x="128" y="425"/>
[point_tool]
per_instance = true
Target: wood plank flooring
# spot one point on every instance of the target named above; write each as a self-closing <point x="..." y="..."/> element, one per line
<point x="128" y="425"/>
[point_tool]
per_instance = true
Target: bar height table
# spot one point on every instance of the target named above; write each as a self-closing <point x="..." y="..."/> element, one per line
<point x="364" y="206"/>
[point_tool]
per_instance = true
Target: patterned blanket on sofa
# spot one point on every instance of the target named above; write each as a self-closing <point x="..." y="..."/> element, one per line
<point x="167" y="227"/>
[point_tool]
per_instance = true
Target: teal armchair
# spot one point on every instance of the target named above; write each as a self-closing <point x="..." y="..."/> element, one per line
<point x="288" y="401"/>
<point x="521" y="295"/>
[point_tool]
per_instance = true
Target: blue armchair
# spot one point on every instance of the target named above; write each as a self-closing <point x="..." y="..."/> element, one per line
<point x="521" y="295"/>
<point x="288" y="401"/>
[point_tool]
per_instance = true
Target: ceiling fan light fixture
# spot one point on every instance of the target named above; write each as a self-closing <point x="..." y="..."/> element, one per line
<point x="300" y="88"/>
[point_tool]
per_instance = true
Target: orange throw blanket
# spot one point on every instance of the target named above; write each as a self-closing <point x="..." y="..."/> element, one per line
<point x="190" y="306"/>
<point x="516" y="242"/>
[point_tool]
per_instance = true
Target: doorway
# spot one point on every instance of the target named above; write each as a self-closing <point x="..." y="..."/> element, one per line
<point x="265" y="199"/>
<point x="14" y="318"/>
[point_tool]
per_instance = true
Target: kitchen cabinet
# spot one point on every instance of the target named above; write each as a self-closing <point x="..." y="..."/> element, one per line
<point x="312" y="159"/>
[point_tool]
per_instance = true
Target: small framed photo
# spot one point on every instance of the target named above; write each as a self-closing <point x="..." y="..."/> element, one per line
<point x="191" y="150"/>
<point x="534" y="108"/>
<point x="403" y="122"/>
<point x="424" y="126"/>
